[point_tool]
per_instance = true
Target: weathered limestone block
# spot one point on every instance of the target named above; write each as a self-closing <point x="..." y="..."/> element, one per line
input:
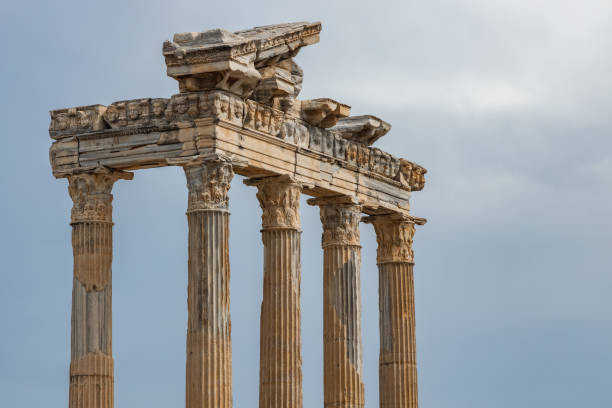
<point x="280" y="378"/>
<point x="397" y="366"/>
<point x="91" y="366"/>
<point x="323" y="112"/>
<point x="343" y="350"/>
<point x="209" y="345"/>
<point x="281" y="41"/>
<point x="361" y="129"/>
<point x="219" y="59"/>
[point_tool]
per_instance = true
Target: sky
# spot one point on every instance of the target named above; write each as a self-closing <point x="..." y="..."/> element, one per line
<point x="506" y="103"/>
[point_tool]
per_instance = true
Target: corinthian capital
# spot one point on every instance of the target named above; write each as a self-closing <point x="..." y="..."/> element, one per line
<point x="90" y="191"/>
<point x="279" y="198"/>
<point x="394" y="234"/>
<point x="208" y="181"/>
<point x="340" y="217"/>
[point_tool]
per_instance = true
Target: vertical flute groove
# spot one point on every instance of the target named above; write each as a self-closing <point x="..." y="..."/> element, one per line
<point x="91" y="368"/>
<point x="397" y="366"/>
<point x="209" y="328"/>
<point x="209" y="346"/>
<point x="91" y="365"/>
<point x="342" y="346"/>
<point x="280" y="361"/>
<point x="280" y="344"/>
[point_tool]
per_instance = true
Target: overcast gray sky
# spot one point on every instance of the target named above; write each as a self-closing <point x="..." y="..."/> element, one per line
<point x="506" y="103"/>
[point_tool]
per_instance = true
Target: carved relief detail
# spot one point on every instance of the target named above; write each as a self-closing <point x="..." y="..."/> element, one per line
<point x="91" y="194"/>
<point x="340" y="224"/>
<point x="279" y="198"/>
<point x="208" y="183"/>
<point x="65" y="122"/>
<point x="394" y="236"/>
<point x="244" y="113"/>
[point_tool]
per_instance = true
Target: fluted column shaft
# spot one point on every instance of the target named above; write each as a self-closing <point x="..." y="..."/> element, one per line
<point x="209" y="349"/>
<point x="280" y="375"/>
<point x="397" y="365"/>
<point x="343" y="349"/>
<point x="91" y="365"/>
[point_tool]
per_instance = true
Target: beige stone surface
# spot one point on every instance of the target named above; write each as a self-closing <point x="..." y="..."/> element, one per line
<point x="219" y="59"/>
<point x="342" y="347"/>
<point x="397" y="363"/>
<point x="91" y="366"/>
<point x="238" y="112"/>
<point x="270" y="141"/>
<point x="362" y="129"/>
<point x="280" y="359"/>
<point x="209" y="346"/>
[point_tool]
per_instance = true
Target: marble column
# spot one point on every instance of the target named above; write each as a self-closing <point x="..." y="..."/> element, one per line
<point x="280" y="375"/>
<point x="91" y="365"/>
<point x="209" y="346"/>
<point x="397" y="364"/>
<point x="343" y="350"/>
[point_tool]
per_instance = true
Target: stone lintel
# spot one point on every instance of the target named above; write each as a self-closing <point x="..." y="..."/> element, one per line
<point x="145" y="133"/>
<point x="200" y="159"/>
<point x="99" y="169"/>
<point x="334" y="200"/>
<point x="394" y="218"/>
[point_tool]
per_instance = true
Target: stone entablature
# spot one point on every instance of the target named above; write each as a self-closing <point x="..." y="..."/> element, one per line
<point x="147" y="132"/>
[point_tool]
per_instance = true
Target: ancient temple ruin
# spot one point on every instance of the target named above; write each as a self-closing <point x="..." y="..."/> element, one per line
<point x="238" y="112"/>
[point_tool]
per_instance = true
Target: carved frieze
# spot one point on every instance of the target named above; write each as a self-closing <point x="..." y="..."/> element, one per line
<point x="184" y="109"/>
<point x="90" y="191"/>
<point x="279" y="198"/>
<point x="66" y="122"/>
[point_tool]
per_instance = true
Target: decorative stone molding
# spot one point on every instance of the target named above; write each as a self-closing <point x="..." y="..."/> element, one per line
<point x="340" y="217"/>
<point x="323" y="112"/>
<point x="90" y="190"/>
<point x="394" y="233"/>
<point x="279" y="198"/>
<point x="361" y="129"/>
<point x="184" y="109"/>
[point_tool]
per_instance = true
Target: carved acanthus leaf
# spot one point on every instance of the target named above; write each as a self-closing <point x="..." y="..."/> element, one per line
<point x="340" y="217"/>
<point x="208" y="182"/>
<point x="90" y="191"/>
<point x="279" y="198"/>
<point x="394" y="234"/>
